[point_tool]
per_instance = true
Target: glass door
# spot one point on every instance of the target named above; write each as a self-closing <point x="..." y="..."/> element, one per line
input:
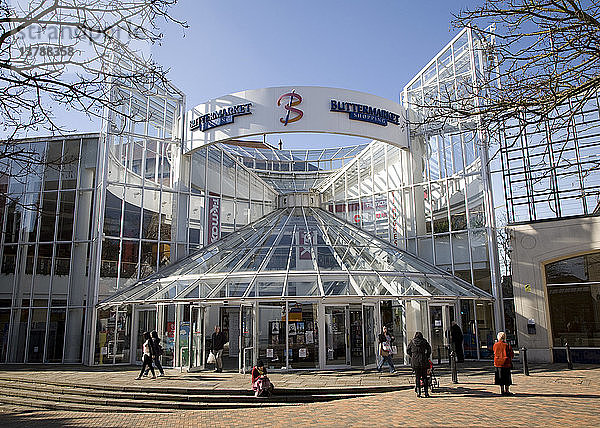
<point x="440" y="317"/>
<point x="197" y="338"/>
<point x="437" y="330"/>
<point x="246" y="346"/>
<point x="356" y="336"/>
<point x="336" y="336"/>
<point x="146" y="322"/>
<point x="370" y="331"/>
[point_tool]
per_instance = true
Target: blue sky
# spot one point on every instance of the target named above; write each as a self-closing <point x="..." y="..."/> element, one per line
<point x="374" y="46"/>
<point x="371" y="46"/>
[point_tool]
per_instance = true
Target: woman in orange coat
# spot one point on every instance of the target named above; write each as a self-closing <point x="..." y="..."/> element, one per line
<point x="503" y="355"/>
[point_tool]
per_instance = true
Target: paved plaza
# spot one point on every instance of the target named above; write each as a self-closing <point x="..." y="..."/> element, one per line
<point x="551" y="395"/>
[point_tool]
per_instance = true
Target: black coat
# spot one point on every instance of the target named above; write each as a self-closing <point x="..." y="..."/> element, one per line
<point x="457" y="337"/>
<point x="419" y="351"/>
<point x="218" y="341"/>
<point x="456" y="334"/>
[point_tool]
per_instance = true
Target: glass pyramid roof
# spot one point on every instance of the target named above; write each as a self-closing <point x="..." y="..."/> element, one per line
<point x="295" y="252"/>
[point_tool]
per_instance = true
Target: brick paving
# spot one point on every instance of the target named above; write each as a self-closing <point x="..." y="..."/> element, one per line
<point x="551" y="396"/>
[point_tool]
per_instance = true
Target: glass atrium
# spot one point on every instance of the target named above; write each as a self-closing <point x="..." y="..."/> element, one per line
<point x="294" y="279"/>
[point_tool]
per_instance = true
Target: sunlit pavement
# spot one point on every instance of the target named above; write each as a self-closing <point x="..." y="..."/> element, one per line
<point x="551" y="395"/>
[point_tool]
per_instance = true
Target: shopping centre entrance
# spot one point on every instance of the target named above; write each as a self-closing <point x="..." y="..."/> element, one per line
<point x="299" y="289"/>
<point x="286" y="335"/>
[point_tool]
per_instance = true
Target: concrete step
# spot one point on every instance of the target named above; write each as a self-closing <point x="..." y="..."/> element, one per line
<point x="168" y="397"/>
<point x="78" y="402"/>
<point x="146" y="386"/>
<point x="72" y="407"/>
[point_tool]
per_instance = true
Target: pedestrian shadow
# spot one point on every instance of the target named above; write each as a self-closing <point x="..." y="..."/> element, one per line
<point x="556" y="395"/>
<point x="194" y="379"/>
<point x="468" y="392"/>
<point x="484" y="393"/>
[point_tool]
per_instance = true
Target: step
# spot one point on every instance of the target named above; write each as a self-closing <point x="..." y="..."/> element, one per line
<point x="17" y="395"/>
<point x="208" y="398"/>
<point x="146" y="387"/>
<point x="72" y="407"/>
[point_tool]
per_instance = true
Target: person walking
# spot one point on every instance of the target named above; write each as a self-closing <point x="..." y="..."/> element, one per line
<point x="157" y="351"/>
<point x="147" y="353"/>
<point x="420" y="352"/>
<point x="503" y="355"/>
<point x="218" y="343"/>
<point x="457" y="338"/>
<point x="385" y="350"/>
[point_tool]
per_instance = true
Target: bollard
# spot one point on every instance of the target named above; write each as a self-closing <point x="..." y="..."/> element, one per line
<point x="524" y="361"/>
<point x="453" y="367"/>
<point x="569" y="360"/>
<point x="439" y="356"/>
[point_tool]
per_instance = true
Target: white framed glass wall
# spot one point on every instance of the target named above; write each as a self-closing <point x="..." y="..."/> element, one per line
<point x="212" y="172"/>
<point x="45" y="219"/>
<point x="434" y="201"/>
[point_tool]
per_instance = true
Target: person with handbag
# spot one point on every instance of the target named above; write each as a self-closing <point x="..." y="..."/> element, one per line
<point x="218" y="343"/>
<point x="503" y="355"/>
<point x="157" y="351"/>
<point x="385" y="350"/>
<point x="420" y="352"/>
<point x="147" y="353"/>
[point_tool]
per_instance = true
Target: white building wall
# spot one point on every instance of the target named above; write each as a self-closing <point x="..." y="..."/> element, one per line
<point x="533" y="246"/>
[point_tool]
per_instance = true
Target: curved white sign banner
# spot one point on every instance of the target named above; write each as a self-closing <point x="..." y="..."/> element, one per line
<point x="296" y="109"/>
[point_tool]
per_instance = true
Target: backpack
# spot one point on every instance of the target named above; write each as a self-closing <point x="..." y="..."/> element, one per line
<point x="158" y="349"/>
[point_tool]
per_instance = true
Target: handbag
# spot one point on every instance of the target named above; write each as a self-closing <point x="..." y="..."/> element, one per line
<point x="394" y="349"/>
<point x="211" y="358"/>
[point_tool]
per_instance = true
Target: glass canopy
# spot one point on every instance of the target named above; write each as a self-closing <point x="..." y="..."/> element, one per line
<point x="295" y="252"/>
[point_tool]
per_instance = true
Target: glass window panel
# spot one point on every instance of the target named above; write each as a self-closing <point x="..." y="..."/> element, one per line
<point x="112" y="211"/>
<point x="278" y="259"/>
<point x="460" y="251"/>
<point x="44" y="259"/>
<point x="574" y="270"/>
<point x="62" y="260"/>
<point x="198" y="171"/>
<point x="56" y="335"/>
<point x="269" y="287"/>
<point x="228" y="180"/>
<point x="70" y="164"/>
<point x="242" y="213"/>
<point x="337" y="286"/>
<point x="370" y="285"/>
<point x="272" y="330"/>
<point x="53" y="158"/>
<point x="66" y="216"/>
<point x="9" y="258"/>
<point x="148" y="259"/>
<point x="37" y="334"/>
<point x="214" y="166"/>
<point x="254" y="261"/>
<point x="302" y="286"/>
<point x="110" y="258"/>
<point x="48" y="216"/>
<point x="4" y="328"/>
<point x="303" y="346"/>
<point x="326" y="259"/>
<point x="166" y="217"/>
<point x="129" y="259"/>
<point x="442" y="250"/>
